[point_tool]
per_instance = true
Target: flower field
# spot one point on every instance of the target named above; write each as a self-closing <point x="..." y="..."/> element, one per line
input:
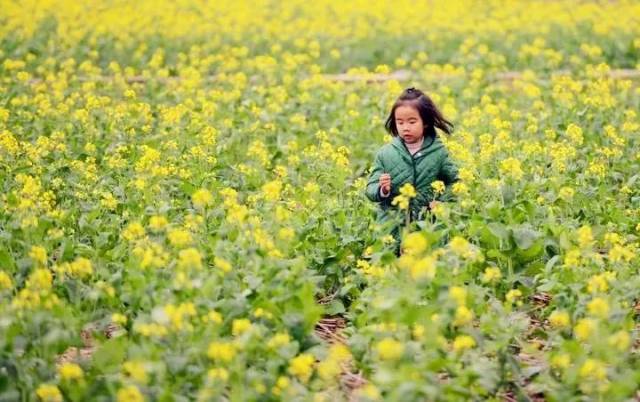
<point x="183" y="211"/>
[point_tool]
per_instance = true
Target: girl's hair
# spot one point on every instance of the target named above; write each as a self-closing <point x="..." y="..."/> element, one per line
<point x="429" y="113"/>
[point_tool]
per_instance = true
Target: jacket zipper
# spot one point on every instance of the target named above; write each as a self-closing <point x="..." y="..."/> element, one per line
<point x="413" y="181"/>
<point x="413" y="164"/>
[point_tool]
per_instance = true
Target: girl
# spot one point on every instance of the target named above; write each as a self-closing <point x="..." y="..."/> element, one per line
<point x="415" y="155"/>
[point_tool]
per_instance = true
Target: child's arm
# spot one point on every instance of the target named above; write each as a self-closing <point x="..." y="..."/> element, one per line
<point x="449" y="175"/>
<point x="373" y="185"/>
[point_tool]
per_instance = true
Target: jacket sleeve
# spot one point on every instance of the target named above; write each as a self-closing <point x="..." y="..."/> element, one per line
<point x="373" y="186"/>
<point x="449" y="175"/>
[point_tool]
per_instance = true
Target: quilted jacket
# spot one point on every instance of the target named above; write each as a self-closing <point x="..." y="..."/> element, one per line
<point x="428" y="164"/>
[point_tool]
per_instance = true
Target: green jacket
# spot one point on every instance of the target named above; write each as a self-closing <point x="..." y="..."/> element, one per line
<point x="427" y="165"/>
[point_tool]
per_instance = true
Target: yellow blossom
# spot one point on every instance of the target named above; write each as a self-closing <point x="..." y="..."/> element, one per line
<point x="179" y="237"/>
<point x="157" y="223"/>
<point x="39" y="255"/>
<point x="118" y="318"/>
<point x="561" y="361"/>
<point x="389" y="349"/>
<point x="301" y="366"/>
<point x="5" y="281"/>
<point x="463" y="316"/>
<point x="201" y="198"/>
<point x="511" y="167"/>
<point x="240" y="326"/>
<point x="130" y="393"/>
<point x="49" y="393"/>
<point x="222" y="351"/>
<point x="136" y="370"/>
<point x="584" y="328"/>
<point x="593" y="369"/>
<point x="491" y="274"/>
<point x="463" y="342"/>
<point x="559" y="319"/>
<point x="222" y="264"/>
<point x="459" y="294"/>
<point x="620" y="340"/>
<point x="438" y="186"/>
<point x="598" y="307"/>
<point x="512" y="295"/>
<point x="218" y="373"/>
<point x="70" y="371"/>
<point x="414" y="243"/>
<point x="279" y="340"/>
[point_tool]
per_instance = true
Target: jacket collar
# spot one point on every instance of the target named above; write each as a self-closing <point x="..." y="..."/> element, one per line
<point x="401" y="146"/>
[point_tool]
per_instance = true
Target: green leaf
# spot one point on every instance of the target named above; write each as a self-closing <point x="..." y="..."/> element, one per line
<point x="525" y="237"/>
<point x="110" y="355"/>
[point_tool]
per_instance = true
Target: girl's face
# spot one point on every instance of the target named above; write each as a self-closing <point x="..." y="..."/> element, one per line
<point x="409" y="124"/>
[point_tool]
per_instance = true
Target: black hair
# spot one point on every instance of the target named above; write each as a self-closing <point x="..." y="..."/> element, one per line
<point x="429" y="113"/>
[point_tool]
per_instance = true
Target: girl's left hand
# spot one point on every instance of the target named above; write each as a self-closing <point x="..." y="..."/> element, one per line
<point x="432" y="204"/>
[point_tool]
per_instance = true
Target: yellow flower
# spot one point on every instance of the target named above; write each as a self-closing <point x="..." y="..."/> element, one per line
<point x="49" y="393"/>
<point x="135" y="370"/>
<point x="179" y="237"/>
<point x="240" y="326"/>
<point x="511" y="167"/>
<point x="585" y="236"/>
<point x="566" y="193"/>
<point x="463" y="342"/>
<point x="460" y="246"/>
<point x="415" y="243"/>
<point x="189" y="258"/>
<point x="223" y="351"/>
<point x="561" y="361"/>
<point x="459" y="294"/>
<point x="390" y="349"/>
<point x="118" y="318"/>
<point x="620" y="340"/>
<point x="302" y="366"/>
<point x="133" y="231"/>
<point x="593" y="369"/>
<point x="158" y="222"/>
<point x="40" y="280"/>
<point x="572" y="259"/>
<point x="369" y="391"/>
<point x="331" y="366"/>
<point x="214" y="317"/>
<point x="438" y="186"/>
<point x="5" y="281"/>
<point x="423" y="268"/>
<point x="463" y="316"/>
<point x="584" y="328"/>
<point x="70" y="371"/>
<point x="201" y="198"/>
<point x="279" y="340"/>
<point x="130" y="393"/>
<point x="491" y="274"/>
<point x="598" y="307"/>
<point x="598" y="283"/>
<point x="559" y="319"/>
<point x="39" y="255"/>
<point x="408" y="190"/>
<point x="218" y="374"/>
<point x="272" y="190"/>
<point x="401" y="201"/>
<point x="81" y="267"/>
<point x="574" y="133"/>
<point x="222" y="264"/>
<point x="512" y="295"/>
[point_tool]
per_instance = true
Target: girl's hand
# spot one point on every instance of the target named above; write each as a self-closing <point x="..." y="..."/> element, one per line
<point x="432" y="204"/>
<point x="385" y="182"/>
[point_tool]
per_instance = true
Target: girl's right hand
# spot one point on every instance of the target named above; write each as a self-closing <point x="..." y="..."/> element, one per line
<point x="385" y="183"/>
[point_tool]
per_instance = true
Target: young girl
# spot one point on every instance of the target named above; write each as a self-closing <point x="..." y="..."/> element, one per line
<point x="415" y="155"/>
